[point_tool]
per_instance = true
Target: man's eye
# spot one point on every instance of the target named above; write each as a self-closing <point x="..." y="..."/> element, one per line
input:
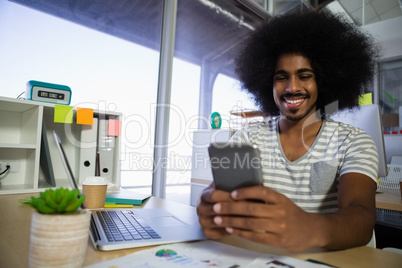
<point x="279" y="78"/>
<point x="305" y="77"/>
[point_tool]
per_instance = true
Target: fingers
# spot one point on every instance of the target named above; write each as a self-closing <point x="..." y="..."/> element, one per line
<point x="266" y="238"/>
<point x="215" y="233"/>
<point x="277" y="222"/>
<point x="256" y="236"/>
<point x="268" y="232"/>
<point x="260" y="231"/>
<point x="260" y="225"/>
<point x="248" y="208"/>
<point x="206" y="216"/>
<point x="215" y="207"/>
<point x="272" y="239"/>
<point x="210" y="229"/>
<point x="265" y="194"/>
<point x="210" y="195"/>
<point x="206" y="213"/>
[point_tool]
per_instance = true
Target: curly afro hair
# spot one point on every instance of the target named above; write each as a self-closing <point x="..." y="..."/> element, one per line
<point x="342" y="55"/>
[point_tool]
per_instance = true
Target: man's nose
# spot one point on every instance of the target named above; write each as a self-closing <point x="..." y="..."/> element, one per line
<point x="294" y="85"/>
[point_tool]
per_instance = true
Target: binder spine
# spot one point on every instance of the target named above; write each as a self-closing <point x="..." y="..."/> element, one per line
<point x="106" y="149"/>
<point x="88" y="150"/>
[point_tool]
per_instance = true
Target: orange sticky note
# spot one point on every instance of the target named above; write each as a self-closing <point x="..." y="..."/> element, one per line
<point x="85" y="116"/>
<point x="114" y="128"/>
<point x="63" y="114"/>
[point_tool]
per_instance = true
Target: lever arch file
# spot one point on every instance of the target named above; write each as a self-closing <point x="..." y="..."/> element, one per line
<point x="106" y="148"/>
<point x="88" y="150"/>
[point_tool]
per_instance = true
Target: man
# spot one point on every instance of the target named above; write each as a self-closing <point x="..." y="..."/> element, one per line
<point x="319" y="175"/>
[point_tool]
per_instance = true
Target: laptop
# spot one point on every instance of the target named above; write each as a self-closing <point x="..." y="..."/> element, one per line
<point x="113" y="229"/>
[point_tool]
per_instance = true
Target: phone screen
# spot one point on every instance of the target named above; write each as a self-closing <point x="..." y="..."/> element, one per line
<point x="234" y="165"/>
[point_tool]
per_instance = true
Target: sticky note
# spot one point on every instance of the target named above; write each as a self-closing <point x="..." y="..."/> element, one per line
<point x="365" y="99"/>
<point x="85" y="116"/>
<point x="63" y="114"/>
<point x="114" y="128"/>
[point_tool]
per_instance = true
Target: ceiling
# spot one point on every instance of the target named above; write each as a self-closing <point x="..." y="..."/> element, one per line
<point x="372" y="11"/>
<point x="206" y="30"/>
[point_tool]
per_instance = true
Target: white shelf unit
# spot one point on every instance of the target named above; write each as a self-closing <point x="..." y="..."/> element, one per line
<point x="20" y="142"/>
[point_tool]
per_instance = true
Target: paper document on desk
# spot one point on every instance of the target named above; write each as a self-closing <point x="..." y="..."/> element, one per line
<point x="202" y="254"/>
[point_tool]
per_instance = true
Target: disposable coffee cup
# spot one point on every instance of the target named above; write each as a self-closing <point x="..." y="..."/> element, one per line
<point x="94" y="189"/>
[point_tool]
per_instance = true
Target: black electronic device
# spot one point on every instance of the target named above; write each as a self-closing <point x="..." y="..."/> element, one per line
<point x="234" y="165"/>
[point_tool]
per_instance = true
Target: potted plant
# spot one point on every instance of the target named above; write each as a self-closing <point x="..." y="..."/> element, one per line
<point x="59" y="229"/>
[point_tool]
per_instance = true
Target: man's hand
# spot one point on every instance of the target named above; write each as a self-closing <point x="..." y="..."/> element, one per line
<point x="206" y="214"/>
<point x="278" y="222"/>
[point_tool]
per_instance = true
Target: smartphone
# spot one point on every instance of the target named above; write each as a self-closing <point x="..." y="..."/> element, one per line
<point x="234" y="165"/>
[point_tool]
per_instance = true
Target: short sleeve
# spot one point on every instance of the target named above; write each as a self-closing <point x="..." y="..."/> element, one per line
<point x="361" y="156"/>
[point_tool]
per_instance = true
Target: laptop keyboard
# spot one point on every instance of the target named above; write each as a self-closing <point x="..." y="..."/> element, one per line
<point x="125" y="226"/>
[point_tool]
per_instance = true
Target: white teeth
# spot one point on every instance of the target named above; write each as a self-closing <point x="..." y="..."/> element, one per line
<point x="294" y="101"/>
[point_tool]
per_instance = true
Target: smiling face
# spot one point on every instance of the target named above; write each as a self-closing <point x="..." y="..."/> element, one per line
<point x="295" y="87"/>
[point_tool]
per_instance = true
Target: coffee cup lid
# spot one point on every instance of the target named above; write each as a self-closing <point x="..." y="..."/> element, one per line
<point x="95" y="180"/>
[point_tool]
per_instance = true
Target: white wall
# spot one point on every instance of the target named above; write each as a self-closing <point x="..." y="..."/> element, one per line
<point x="393" y="146"/>
<point x="389" y="34"/>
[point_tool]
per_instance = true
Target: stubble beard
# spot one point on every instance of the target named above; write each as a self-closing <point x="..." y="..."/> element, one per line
<point x="294" y="117"/>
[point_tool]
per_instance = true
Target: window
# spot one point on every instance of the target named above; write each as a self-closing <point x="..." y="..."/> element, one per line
<point x="390" y="95"/>
<point x="108" y="54"/>
<point x="103" y="71"/>
<point x="228" y="97"/>
<point x="203" y="78"/>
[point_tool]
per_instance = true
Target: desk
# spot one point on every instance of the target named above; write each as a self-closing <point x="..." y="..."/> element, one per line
<point x="15" y="223"/>
<point x="388" y="199"/>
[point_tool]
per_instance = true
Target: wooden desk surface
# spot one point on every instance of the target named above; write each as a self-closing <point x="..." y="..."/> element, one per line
<point x="15" y="220"/>
<point x="388" y="199"/>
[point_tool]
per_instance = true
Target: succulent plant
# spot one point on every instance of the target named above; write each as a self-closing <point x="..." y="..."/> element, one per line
<point x="56" y="201"/>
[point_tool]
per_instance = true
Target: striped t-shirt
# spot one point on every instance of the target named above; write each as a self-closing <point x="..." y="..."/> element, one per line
<point x="312" y="180"/>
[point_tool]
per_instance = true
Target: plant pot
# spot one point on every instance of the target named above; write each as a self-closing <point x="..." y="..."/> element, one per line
<point x="59" y="240"/>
